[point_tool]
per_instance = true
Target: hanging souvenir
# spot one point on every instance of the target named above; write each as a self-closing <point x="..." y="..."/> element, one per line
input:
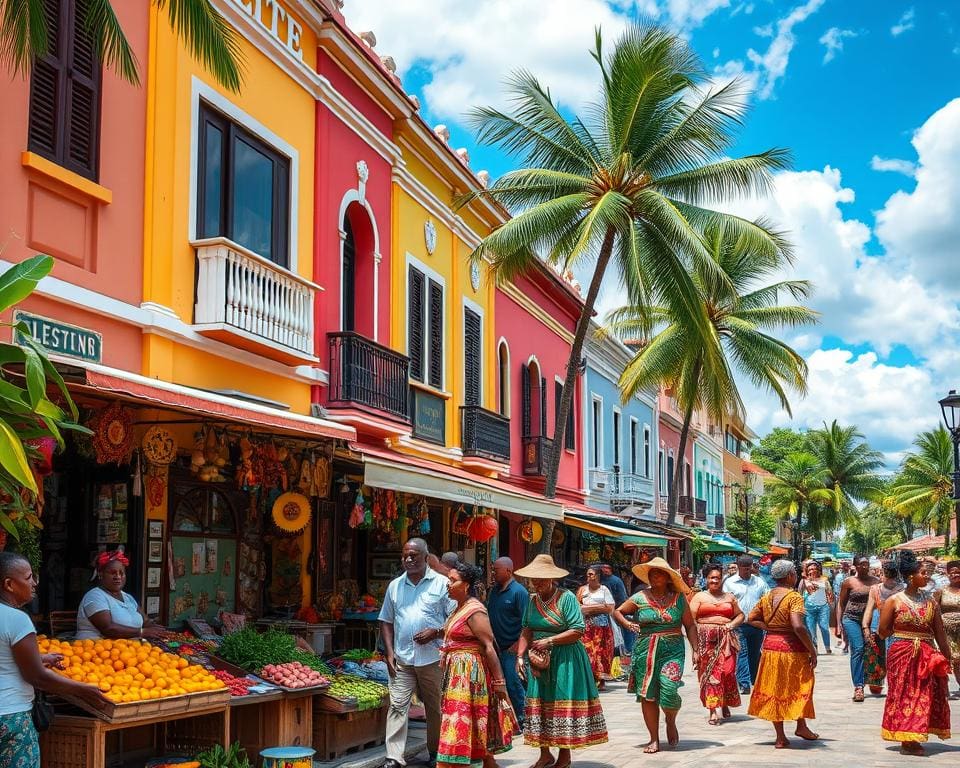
<point x="424" y="518"/>
<point x="305" y="482"/>
<point x="113" y="434"/>
<point x="482" y="528"/>
<point x="323" y="476"/>
<point x="291" y="512"/>
<point x="356" y="513"/>
<point x="530" y="531"/>
<point x="159" y="447"/>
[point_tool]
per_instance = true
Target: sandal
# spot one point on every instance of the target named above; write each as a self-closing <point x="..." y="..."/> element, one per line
<point x="858" y="694"/>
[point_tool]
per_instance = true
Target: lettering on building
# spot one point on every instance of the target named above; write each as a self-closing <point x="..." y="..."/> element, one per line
<point x="276" y="19"/>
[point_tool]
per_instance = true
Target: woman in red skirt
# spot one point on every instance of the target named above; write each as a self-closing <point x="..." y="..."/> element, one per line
<point x="596" y="604"/>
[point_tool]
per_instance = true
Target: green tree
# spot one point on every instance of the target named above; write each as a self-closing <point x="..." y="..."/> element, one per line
<point x="774" y="447"/>
<point x="798" y="487"/>
<point x="875" y="528"/>
<point x="25" y="36"/>
<point x="852" y="467"/>
<point x="763" y="522"/>
<point x="923" y="488"/>
<point x="741" y="313"/>
<point x="630" y="183"/>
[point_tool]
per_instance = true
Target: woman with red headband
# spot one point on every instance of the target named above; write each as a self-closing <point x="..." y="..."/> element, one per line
<point x="108" y="611"/>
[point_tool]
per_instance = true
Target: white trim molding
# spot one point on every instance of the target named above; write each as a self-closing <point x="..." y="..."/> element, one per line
<point x="359" y="197"/>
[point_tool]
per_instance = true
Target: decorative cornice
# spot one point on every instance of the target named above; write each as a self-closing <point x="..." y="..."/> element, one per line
<point x="535" y="310"/>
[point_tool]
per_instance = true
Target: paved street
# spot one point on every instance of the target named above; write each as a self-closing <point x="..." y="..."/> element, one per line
<point x="850" y="732"/>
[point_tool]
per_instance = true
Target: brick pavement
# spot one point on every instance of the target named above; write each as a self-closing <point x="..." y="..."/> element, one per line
<point x="849" y="732"/>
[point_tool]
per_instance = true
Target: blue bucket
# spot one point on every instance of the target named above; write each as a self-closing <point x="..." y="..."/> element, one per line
<point x="275" y="756"/>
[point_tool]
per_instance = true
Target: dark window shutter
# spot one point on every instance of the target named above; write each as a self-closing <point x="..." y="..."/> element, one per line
<point x="525" y="386"/>
<point x="471" y="357"/>
<point x="543" y="407"/>
<point x="83" y="98"/>
<point x="415" y="290"/>
<point x="436" y="335"/>
<point x="569" y="439"/>
<point x="46" y="88"/>
<point x="557" y="394"/>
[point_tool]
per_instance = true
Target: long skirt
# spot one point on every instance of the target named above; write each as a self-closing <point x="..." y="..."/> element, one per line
<point x="784" y="687"/>
<point x="874" y="659"/>
<point x="717" y="649"/>
<point x="916" y="704"/>
<point x="472" y="723"/>
<point x="656" y="668"/>
<point x="19" y="745"/>
<point x="598" y="642"/>
<point x="563" y="708"/>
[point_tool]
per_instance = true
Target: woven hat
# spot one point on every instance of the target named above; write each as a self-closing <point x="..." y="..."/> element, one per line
<point x="541" y="567"/>
<point x="642" y="570"/>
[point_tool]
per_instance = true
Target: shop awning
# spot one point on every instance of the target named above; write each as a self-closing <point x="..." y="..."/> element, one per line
<point x="921" y="544"/>
<point x="776" y="549"/>
<point x="623" y="532"/>
<point x="724" y="543"/>
<point x="394" y="471"/>
<point x="206" y="405"/>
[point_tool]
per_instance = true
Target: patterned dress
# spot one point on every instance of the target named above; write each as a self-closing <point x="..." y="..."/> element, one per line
<point x="717" y="649"/>
<point x="562" y="708"/>
<point x="19" y="746"/>
<point x="950" y="612"/>
<point x="657" y="662"/>
<point x="784" y="687"/>
<point x="598" y="634"/>
<point x="473" y="722"/>
<point x="916" y="704"/>
<point x="875" y="649"/>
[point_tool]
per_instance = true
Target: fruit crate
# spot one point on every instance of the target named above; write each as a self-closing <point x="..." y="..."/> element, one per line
<point x="335" y="734"/>
<point x="132" y="711"/>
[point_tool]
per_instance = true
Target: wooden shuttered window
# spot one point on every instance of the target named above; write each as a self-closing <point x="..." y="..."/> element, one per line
<point x="416" y="285"/>
<point x="525" y="387"/>
<point x="425" y="328"/>
<point x="435" y="309"/>
<point x="65" y="92"/>
<point x="543" y="407"/>
<point x="471" y="357"/>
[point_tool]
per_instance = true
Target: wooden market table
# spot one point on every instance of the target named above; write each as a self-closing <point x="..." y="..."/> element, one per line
<point x="279" y="718"/>
<point x="339" y="729"/>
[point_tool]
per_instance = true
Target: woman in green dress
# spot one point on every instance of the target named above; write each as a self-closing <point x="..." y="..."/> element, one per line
<point x="659" y="617"/>
<point x="562" y="708"/>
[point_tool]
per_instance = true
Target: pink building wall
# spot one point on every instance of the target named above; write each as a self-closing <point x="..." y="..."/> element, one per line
<point x="670" y="440"/>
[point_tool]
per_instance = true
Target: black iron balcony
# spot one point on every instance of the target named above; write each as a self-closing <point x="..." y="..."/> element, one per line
<point x="719" y="523"/>
<point x="693" y="508"/>
<point x="370" y="375"/>
<point x="535" y="452"/>
<point x="484" y="433"/>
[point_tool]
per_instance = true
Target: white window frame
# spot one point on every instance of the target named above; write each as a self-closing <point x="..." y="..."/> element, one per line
<point x="616" y="429"/>
<point x="476" y="308"/>
<point x="647" y="451"/>
<point x="430" y="274"/>
<point x="200" y="90"/>
<point x="596" y="431"/>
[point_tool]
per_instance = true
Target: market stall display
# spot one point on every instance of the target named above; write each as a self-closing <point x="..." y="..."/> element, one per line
<point x="294" y="675"/>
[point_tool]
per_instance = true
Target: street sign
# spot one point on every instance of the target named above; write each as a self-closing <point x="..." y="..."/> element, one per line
<point x="61" y="338"/>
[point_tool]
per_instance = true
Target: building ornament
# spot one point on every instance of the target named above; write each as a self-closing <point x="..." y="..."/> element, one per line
<point x="363" y="173"/>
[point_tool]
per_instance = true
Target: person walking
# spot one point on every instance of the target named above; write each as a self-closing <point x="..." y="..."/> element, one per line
<point x="619" y="591"/>
<point x="506" y="606"/>
<point x="784" y="689"/>
<point x="717" y="615"/>
<point x="415" y="608"/>
<point x="563" y="709"/>
<point x="916" y="703"/>
<point x="23" y="669"/>
<point x="660" y="615"/>
<point x="949" y="601"/>
<point x="473" y="725"/>
<point x="596" y="605"/>
<point x="850" y="608"/>
<point x="875" y="649"/>
<point x="817" y="602"/>
<point x="839" y="576"/>
<point x="748" y="589"/>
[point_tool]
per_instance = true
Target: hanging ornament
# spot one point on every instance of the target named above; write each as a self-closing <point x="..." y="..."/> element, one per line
<point x="483" y="528"/>
<point x="530" y="531"/>
<point x="356" y="513"/>
<point x="159" y="447"/>
<point x="113" y="434"/>
<point x="424" y="518"/>
<point x="291" y="512"/>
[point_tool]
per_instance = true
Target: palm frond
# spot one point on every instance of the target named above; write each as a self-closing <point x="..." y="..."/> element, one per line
<point x="24" y="33"/>
<point x="209" y="39"/>
<point x="726" y="179"/>
<point x="102" y="25"/>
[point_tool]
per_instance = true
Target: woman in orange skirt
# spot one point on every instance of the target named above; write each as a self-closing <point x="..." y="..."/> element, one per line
<point x="784" y="687"/>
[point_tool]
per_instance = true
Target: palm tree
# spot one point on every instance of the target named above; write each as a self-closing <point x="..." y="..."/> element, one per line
<point x="631" y="182"/>
<point x="209" y="38"/>
<point x="852" y="466"/>
<point x="923" y="488"/>
<point x="740" y="312"/>
<point x="800" y="485"/>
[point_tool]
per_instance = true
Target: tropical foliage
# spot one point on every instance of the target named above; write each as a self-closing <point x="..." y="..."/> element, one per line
<point x="761" y="520"/>
<point x="775" y="446"/>
<point x="634" y="182"/>
<point x="877" y="526"/>
<point x="742" y="315"/>
<point x="26" y="412"/>
<point x="801" y="486"/>
<point x="25" y="36"/>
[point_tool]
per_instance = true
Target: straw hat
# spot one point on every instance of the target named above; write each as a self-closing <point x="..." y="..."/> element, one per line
<point x="642" y="570"/>
<point x="541" y="567"/>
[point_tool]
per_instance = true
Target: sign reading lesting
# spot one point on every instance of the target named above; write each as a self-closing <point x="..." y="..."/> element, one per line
<point x="60" y="338"/>
<point x="276" y="19"/>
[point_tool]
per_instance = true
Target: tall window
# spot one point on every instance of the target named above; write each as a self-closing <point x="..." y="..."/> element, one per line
<point x="65" y="91"/>
<point x="534" y="401"/>
<point x="243" y="188"/>
<point x="425" y="328"/>
<point x="616" y="439"/>
<point x="596" y="414"/>
<point x="634" y="426"/>
<point x="348" y="286"/>
<point x="670" y="466"/>
<point x="472" y="356"/>
<point x="503" y="363"/>
<point x="686" y="478"/>
<point x="569" y="441"/>
<point x="646" y="451"/>
<point x="660" y="473"/>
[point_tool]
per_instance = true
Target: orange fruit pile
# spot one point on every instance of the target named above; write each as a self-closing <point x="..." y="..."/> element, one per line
<point x="129" y="670"/>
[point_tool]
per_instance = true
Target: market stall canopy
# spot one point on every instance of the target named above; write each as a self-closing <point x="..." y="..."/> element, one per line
<point x="724" y="543"/>
<point x="775" y="548"/>
<point x="397" y="472"/>
<point x="621" y="531"/>
<point x="207" y="406"/>
<point x="922" y="544"/>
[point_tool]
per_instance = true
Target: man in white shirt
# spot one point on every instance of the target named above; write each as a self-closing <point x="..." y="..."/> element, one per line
<point x="748" y="589"/>
<point x="415" y="607"/>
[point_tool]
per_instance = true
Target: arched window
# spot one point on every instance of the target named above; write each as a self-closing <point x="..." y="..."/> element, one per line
<point x="534" y="400"/>
<point x="503" y="375"/>
<point x="348" y="281"/>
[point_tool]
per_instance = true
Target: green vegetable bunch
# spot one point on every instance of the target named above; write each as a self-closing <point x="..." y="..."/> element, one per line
<point x="253" y="650"/>
<point x="218" y="757"/>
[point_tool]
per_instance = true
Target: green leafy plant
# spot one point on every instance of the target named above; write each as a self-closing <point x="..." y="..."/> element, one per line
<point x="26" y="412"/>
<point x="234" y="756"/>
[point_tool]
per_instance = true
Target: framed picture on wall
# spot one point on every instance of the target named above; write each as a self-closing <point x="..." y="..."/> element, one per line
<point x="153" y="578"/>
<point x="155" y="552"/>
<point x="384" y="567"/>
<point x="152" y="606"/>
<point x="155" y="529"/>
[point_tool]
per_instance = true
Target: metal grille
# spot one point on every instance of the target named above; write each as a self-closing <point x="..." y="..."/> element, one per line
<point x="365" y="373"/>
<point x="485" y="433"/>
<point x="415" y="291"/>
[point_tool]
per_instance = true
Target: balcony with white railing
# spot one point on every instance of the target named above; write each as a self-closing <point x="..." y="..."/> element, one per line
<point x="248" y="301"/>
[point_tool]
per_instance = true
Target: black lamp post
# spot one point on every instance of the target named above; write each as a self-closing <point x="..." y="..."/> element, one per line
<point x="950" y="407"/>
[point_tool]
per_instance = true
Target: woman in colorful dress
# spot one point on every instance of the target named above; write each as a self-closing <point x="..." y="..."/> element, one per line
<point x="596" y="605"/>
<point x="717" y="614"/>
<point x="476" y="721"/>
<point x="784" y="688"/>
<point x="875" y="649"/>
<point x="916" y="703"/>
<point x="851" y="603"/>
<point x="949" y="599"/>
<point x="660" y="615"/>
<point x="562" y="709"/>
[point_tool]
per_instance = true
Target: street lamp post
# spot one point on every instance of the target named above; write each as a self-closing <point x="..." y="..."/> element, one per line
<point x="950" y="408"/>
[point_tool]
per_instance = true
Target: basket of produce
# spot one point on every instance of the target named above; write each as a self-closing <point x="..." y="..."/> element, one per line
<point x="348" y="694"/>
<point x="137" y="679"/>
<point x="294" y="676"/>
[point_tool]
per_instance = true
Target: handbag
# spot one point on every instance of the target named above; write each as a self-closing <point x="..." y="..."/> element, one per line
<point x="539" y="659"/>
<point x="42" y="713"/>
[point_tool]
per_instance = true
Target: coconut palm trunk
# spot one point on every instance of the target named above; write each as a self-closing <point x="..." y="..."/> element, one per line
<point x="798" y="536"/>
<point x="676" y="482"/>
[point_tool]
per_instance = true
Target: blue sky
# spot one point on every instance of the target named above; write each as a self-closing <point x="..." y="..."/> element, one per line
<point x="864" y="93"/>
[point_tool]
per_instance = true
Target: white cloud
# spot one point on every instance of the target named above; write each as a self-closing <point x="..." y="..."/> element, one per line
<point x="893" y="165"/>
<point x="688" y="14"/>
<point x="772" y="65"/>
<point x="833" y="39"/>
<point x="905" y="24"/>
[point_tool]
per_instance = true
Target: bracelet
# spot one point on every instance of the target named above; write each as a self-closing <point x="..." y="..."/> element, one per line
<point x="500" y="681"/>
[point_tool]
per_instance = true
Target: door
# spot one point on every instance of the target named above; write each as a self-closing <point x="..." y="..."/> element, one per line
<point x="348" y="281"/>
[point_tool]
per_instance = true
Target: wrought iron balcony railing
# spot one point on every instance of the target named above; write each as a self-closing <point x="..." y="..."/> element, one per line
<point x="368" y="374"/>
<point x="484" y="433"/>
<point x="535" y="452"/>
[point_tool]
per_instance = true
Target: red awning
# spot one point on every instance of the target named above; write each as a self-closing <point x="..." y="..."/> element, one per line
<point x="776" y="549"/>
<point x="922" y="544"/>
<point x="208" y="405"/>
